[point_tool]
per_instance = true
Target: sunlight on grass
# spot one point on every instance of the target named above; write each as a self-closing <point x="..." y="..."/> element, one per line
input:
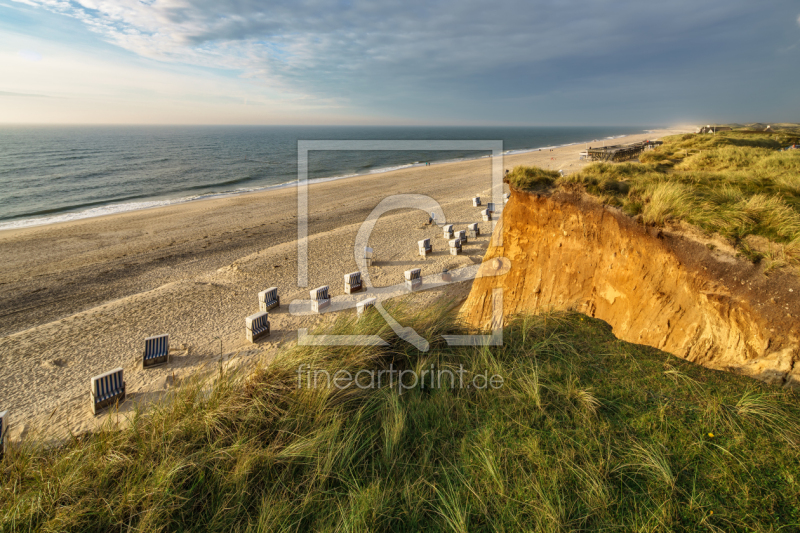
<point x="588" y="433"/>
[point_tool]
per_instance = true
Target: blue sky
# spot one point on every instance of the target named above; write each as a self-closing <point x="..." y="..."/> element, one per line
<point x="399" y="62"/>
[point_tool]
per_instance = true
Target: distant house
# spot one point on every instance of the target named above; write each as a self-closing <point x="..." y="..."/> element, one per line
<point x="713" y="129"/>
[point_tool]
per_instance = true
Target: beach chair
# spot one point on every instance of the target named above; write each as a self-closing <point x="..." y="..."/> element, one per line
<point x="156" y="351"/>
<point x="461" y="235"/>
<point x="319" y="298"/>
<point x="506" y="196"/>
<point x="487" y="215"/>
<point x="473" y="230"/>
<point x="107" y="389"/>
<point x="455" y="246"/>
<point x="369" y="255"/>
<point x="425" y="247"/>
<point x="476" y="202"/>
<point x="268" y="299"/>
<point x="490" y="207"/>
<point x="446" y="276"/>
<point x="3" y="429"/>
<point x="352" y="282"/>
<point x="448" y="231"/>
<point x="363" y="305"/>
<point x="413" y="279"/>
<point x="257" y="326"/>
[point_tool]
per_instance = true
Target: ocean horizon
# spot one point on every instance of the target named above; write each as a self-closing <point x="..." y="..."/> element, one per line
<point x="51" y="174"/>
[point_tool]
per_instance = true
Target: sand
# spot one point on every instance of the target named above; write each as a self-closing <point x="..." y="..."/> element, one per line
<point x="78" y="298"/>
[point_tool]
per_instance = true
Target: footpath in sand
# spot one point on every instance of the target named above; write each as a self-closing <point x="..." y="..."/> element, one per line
<point x="79" y="298"/>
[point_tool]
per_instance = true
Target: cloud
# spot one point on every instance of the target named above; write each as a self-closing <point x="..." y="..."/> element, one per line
<point x="413" y="52"/>
<point x="23" y="95"/>
<point x="29" y="55"/>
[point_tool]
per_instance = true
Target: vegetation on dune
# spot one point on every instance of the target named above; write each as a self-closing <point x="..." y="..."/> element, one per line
<point x="733" y="183"/>
<point x="531" y="178"/>
<point x="586" y="433"/>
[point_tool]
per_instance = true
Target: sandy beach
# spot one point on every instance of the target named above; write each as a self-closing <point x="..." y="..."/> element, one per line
<point x="78" y="298"/>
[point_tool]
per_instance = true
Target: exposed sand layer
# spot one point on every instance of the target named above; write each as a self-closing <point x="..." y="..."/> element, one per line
<point x="79" y="298"/>
<point x="662" y="287"/>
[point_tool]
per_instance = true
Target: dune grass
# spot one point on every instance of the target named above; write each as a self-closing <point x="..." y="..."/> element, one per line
<point x="732" y="183"/>
<point x="586" y="433"/>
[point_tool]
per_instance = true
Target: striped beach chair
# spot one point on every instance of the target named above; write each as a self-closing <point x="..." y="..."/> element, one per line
<point x="413" y="279"/>
<point x="107" y="389"/>
<point x="448" y="231"/>
<point x="461" y="235"/>
<point x="364" y="305"/>
<point x="455" y="246"/>
<point x="257" y="326"/>
<point x="352" y="282"/>
<point x="487" y="215"/>
<point x="369" y="255"/>
<point x="156" y="351"/>
<point x="425" y="247"/>
<point x="3" y="429"/>
<point x="268" y="299"/>
<point x="473" y="230"/>
<point x="319" y="298"/>
<point x="476" y="202"/>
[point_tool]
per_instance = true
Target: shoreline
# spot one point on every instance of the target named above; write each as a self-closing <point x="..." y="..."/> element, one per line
<point x="80" y="296"/>
<point x="71" y="216"/>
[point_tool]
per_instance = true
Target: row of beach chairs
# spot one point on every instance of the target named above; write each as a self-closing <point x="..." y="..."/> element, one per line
<point x="108" y="388"/>
<point x="476" y="201"/>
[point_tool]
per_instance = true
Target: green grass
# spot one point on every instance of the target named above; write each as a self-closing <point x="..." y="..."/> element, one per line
<point x="734" y="184"/>
<point x="588" y="433"/>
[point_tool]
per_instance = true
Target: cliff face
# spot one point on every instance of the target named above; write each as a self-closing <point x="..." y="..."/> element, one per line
<point x="653" y="287"/>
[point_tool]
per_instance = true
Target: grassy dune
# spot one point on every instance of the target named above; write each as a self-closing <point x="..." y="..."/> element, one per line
<point x="586" y="433"/>
<point x="733" y="183"/>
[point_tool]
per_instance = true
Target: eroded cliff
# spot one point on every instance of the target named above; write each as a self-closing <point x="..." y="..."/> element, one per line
<point x="653" y="286"/>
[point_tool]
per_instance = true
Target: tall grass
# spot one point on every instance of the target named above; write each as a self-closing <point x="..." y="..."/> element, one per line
<point x="587" y="433"/>
<point x="732" y="183"/>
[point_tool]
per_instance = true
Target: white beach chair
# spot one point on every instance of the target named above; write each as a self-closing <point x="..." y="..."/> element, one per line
<point x="473" y="230"/>
<point x="455" y="246"/>
<point x="476" y="202"/>
<point x="413" y="279"/>
<point x="506" y="196"/>
<point x="487" y="215"/>
<point x="461" y="235"/>
<point x="107" y="389"/>
<point x="319" y="298"/>
<point x="364" y="305"/>
<point x="3" y="429"/>
<point x="257" y="326"/>
<point x="352" y="282"/>
<point x="268" y="299"/>
<point x="369" y="255"/>
<point x="425" y="247"/>
<point x="156" y="351"/>
<point x="448" y="231"/>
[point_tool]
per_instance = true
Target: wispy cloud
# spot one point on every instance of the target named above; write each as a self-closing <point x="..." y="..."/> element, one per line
<point x="396" y="55"/>
<point x="23" y="95"/>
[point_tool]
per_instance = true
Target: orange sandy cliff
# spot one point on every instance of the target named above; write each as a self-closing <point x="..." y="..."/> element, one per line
<point x="654" y="287"/>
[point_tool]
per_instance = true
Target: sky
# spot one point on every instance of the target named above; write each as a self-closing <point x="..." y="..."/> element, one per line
<point x="426" y="62"/>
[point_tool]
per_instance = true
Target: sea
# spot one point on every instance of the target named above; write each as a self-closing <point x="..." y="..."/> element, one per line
<point x="53" y="174"/>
